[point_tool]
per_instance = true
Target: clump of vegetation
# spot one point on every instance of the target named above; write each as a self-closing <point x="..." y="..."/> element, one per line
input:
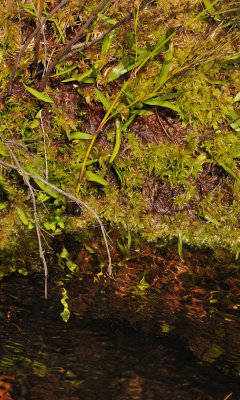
<point x="135" y="108"/>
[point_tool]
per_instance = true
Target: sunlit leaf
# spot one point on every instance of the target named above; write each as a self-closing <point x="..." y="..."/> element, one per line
<point x="81" y="77"/>
<point x="209" y="218"/>
<point x="125" y="65"/>
<point x="180" y="248"/>
<point x="117" y="141"/>
<point x="72" y="266"/>
<point x="3" y="205"/>
<point x="237" y="98"/>
<point x="107" y="41"/>
<point x="105" y="102"/>
<point x="80" y="136"/>
<point x="209" y="6"/>
<point x="157" y="101"/>
<point x="165" y="67"/>
<point x="23" y="217"/>
<point x="66" y="70"/>
<point x="39" y="95"/>
<point x="42" y="185"/>
<point x="95" y="178"/>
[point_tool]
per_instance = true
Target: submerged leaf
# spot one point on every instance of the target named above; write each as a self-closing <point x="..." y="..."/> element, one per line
<point x="39" y="95"/>
<point x="66" y="313"/>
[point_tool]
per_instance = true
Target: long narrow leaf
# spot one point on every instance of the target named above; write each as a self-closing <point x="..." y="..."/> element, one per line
<point x="66" y="70"/>
<point x="105" y="102"/>
<point x="107" y="41"/>
<point x="39" y="95"/>
<point x="209" y="6"/>
<point x="80" y="136"/>
<point x="95" y="178"/>
<point x="117" y="141"/>
<point x="157" y="101"/>
<point x="165" y="67"/>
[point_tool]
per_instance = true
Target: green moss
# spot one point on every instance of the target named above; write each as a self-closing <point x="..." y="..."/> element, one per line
<point x="205" y="95"/>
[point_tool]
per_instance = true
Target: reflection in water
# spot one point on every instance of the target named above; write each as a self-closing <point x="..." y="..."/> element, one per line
<point x="41" y="357"/>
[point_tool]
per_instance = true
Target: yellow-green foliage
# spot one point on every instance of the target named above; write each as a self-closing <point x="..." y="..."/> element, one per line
<point x="202" y="82"/>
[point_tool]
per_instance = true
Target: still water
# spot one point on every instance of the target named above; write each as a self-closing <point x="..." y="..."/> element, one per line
<point x="98" y="356"/>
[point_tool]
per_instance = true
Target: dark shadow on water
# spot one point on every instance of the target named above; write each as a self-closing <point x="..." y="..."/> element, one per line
<point x="41" y="357"/>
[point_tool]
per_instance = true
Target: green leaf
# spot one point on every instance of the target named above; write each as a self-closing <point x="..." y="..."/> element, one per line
<point x="163" y="42"/>
<point x="80" y="136"/>
<point x="157" y="101"/>
<point x="3" y="181"/>
<point x="142" y="112"/>
<point x="237" y="98"/>
<point x="3" y="205"/>
<point x="165" y="67"/>
<point x="95" y="178"/>
<point x="228" y="170"/>
<point x="209" y="218"/>
<point x="81" y="77"/>
<point x="107" y="41"/>
<point x="72" y="266"/>
<point x="117" y="141"/>
<point x="42" y="185"/>
<point x="235" y="125"/>
<point x="64" y="253"/>
<point x="34" y="124"/>
<point x="66" y="313"/>
<point x="209" y="6"/>
<point x="129" y="61"/>
<point x="180" y="247"/>
<point x="125" y="65"/>
<point x="23" y="217"/>
<point x="66" y="70"/>
<point x="58" y="28"/>
<point x="39" y="95"/>
<point x="106" y="103"/>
